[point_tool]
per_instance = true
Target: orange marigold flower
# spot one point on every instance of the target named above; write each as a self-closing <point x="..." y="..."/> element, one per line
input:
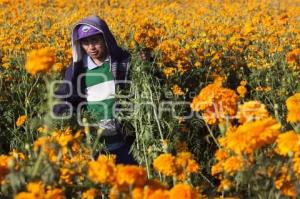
<point x="24" y="195"/>
<point x="233" y="164"/>
<point x="103" y="170"/>
<point x="66" y="176"/>
<point x="165" y="163"/>
<point x="216" y="102"/>
<point x="198" y="64"/>
<point x="289" y="189"/>
<point x="284" y="183"/>
<point x="151" y="186"/>
<point x="130" y="175"/>
<point x="49" y="147"/>
<point x="192" y="167"/>
<point x="177" y="91"/>
<point x="221" y="155"/>
<point x="4" y="170"/>
<point x="241" y="90"/>
<point x="283" y="177"/>
<point x="183" y="191"/>
<point x="64" y="139"/>
<point x="5" y="65"/>
<point x="148" y="34"/>
<point x="36" y="188"/>
<point x="4" y="61"/>
<point x="185" y="165"/>
<point x="251" y="136"/>
<point x="114" y="192"/>
<point x="55" y="193"/>
<point x="293" y="106"/>
<point x="159" y="194"/>
<point x="217" y="168"/>
<point x="248" y="28"/>
<point x="91" y="194"/>
<point x="137" y="193"/>
<point x="21" y="120"/>
<point x="251" y="111"/>
<point x="169" y="71"/>
<point x="58" y="67"/>
<point x="225" y="185"/>
<point x="184" y="161"/>
<point x="293" y="56"/>
<point x="265" y="89"/>
<point x="17" y="155"/>
<point x="40" y="142"/>
<point x="43" y="129"/>
<point x="296" y="163"/>
<point x="287" y="142"/>
<point x="40" y="60"/>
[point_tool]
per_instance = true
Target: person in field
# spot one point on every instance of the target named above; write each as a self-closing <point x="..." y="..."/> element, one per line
<point x="98" y="64"/>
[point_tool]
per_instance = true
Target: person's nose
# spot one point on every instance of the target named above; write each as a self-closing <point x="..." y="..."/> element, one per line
<point x="91" y="45"/>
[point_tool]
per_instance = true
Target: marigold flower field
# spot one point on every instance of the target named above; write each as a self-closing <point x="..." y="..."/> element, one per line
<point x="216" y="107"/>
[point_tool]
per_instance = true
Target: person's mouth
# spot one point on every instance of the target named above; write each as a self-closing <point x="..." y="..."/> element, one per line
<point x="94" y="53"/>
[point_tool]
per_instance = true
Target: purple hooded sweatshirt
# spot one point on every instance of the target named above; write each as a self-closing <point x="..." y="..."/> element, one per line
<point x="69" y="91"/>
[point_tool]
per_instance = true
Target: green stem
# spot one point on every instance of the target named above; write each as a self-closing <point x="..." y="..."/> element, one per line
<point x="212" y="135"/>
<point x="135" y="124"/>
<point x="156" y="118"/>
<point x="99" y="133"/>
<point x="205" y="178"/>
<point x="174" y="180"/>
<point x="87" y="131"/>
<point x="146" y="161"/>
<point x="38" y="162"/>
<point x="297" y="127"/>
<point x="49" y="103"/>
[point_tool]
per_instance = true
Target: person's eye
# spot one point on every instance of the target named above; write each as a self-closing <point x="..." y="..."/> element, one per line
<point x="85" y="42"/>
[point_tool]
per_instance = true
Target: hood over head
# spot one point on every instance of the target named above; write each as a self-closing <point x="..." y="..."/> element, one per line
<point x="114" y="51"/>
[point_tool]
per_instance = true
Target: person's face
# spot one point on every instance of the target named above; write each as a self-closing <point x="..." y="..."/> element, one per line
<point x="94" y="46"/>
